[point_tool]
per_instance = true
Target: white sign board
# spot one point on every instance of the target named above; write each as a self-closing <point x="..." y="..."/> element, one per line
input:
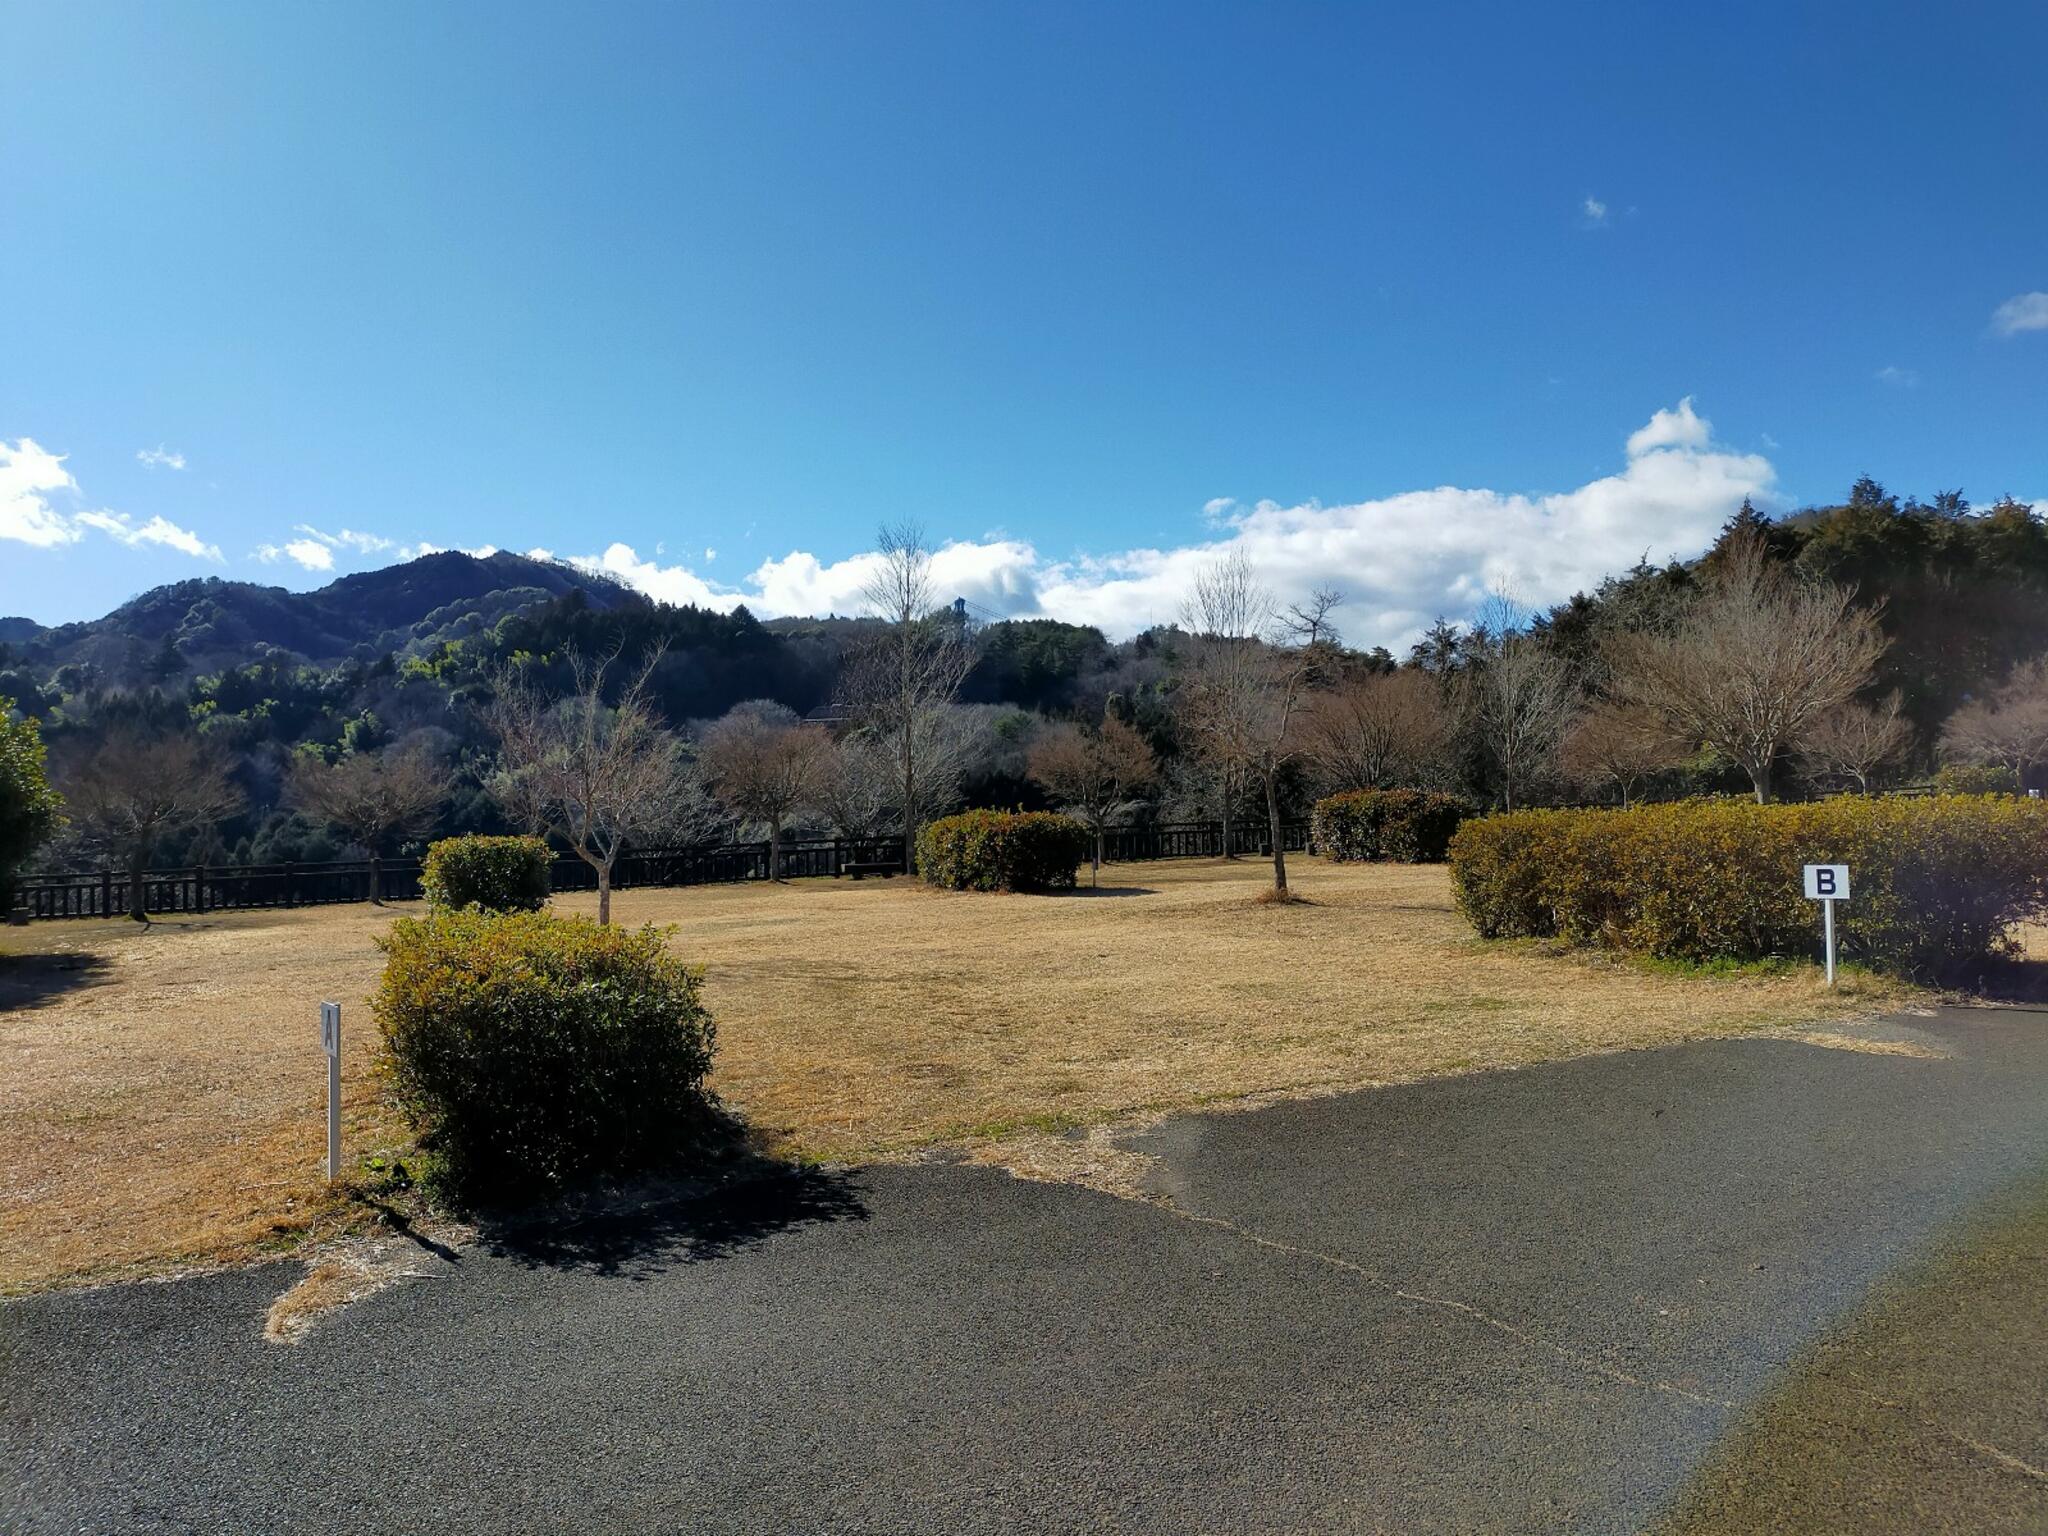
<point x="1827" y="882"/>
<point x="330" y="1028"/>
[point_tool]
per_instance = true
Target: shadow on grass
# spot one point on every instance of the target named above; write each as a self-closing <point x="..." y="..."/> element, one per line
<point x="659" y="1227"/>
<point x="30" y="981"/>
<point x="1110" y="890"/>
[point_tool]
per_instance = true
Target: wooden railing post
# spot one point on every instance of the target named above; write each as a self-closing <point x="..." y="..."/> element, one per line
<point x="198" y="887"/>
<point x="291" y="870"/>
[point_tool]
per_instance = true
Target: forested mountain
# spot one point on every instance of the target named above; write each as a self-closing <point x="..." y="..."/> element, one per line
<point x="262" y="677"/>
<point x="208" y="623"/>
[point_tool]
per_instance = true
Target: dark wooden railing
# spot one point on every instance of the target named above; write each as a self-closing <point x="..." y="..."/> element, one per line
<point x="239" y="887"/>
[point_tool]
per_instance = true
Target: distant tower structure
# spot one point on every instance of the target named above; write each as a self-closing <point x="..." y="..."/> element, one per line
<point x="972" y="617"/>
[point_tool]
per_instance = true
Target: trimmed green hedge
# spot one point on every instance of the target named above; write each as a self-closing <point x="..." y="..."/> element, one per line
<point x="1405" y="826"/>
<point x="1003" y="851"/>
<point x="498" y="874"/>
<point x="529" y="1050"/>
<point x="1937" y="884"/>
<point x="1976" y="779"/>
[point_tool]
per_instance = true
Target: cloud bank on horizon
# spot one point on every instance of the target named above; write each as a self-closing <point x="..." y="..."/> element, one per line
<point x="1400" y="560"/>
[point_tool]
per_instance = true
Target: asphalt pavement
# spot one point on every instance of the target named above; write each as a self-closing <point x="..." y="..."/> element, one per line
<point x="1513" y="1301"/>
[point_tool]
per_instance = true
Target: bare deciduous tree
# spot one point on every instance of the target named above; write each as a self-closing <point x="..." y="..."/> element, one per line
<point x="376" y="799"/>
<point x="1518" y="695"/>
<point x="1250" y="669"/>
<point x="1856" y="741"/>
<point x="2008" y="729"/>
<point x="1378" y="729"/>
<point x="903" y="682"/>
<point x="1092" y="773"/>
<point x="134" y="789"/>
<point x="1758" y="658"/>
<point x="598" y="776"/>
<point x="763" y="768"/>
<point x="856" y="786"/>
<point x="1616" y="746"/>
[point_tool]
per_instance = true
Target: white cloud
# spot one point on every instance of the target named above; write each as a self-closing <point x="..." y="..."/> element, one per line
<point x="310" y="553"/>
<point x="1594" y="211"/>
<point x="160" y="457"/>
<point x="1399" y="560"/>
<point x="1217" y="506"/>
<point x="2021" y="312"/>
<point x="1897" y="377"/>
<point x="158" y="530"/>
<point x="1678" y="427"/>
<point x="28" y="473"/>
<point x="709" y="554"/>
<point x="348" y="538"/>
<point x="666" y="583"/>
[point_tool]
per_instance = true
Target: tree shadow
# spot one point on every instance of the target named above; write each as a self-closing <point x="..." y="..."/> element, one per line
<point x="657" y="1228"/>
<point x="1103" y="892"/>
<point x="2011" y="981"/>
<point x="32" y="981"/>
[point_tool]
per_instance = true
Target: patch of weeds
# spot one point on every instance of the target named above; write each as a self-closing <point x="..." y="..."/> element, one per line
<point x="1051" y="1123"/>
<point x="1434" y="1007"/>
<point x="1771" y="968"/>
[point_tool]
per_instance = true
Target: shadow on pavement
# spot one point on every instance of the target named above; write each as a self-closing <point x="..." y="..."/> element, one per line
<point x="640" y="1241"/>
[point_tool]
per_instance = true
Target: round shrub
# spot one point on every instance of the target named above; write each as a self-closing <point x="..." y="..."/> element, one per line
<point x="529" y="1050"/>
<point x="498" y="874"/>
<point x="1976" y="779"/>
<point x="1937" y="884"/>
<point x="1403" y="826"/>
<point x="1002" y="851"/>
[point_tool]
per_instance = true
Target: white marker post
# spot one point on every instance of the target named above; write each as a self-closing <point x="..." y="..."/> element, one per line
<point x="1828" y="884"/>
<point x="330" y="1041"/>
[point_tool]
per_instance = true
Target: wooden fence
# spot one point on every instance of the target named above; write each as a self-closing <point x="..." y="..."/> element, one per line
<point x="221" y="888"/>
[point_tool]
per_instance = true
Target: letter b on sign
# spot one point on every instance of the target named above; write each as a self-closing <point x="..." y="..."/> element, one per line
<point x="1827" y="882"/>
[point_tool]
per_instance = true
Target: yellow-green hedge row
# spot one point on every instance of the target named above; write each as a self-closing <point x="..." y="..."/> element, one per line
<point x="1937" y="884"/>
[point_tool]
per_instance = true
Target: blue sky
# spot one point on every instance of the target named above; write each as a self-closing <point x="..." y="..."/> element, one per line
<point x="1091" y="290"/>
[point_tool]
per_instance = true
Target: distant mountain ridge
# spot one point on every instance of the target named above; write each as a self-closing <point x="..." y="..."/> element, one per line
<point x="412" y="605"/>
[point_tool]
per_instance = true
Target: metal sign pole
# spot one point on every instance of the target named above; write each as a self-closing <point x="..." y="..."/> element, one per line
<point x="330" y="1039"/>
<point x="1828" y="884"/>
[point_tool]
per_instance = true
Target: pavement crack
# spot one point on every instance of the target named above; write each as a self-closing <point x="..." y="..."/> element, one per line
<point x="1500" y="1325"/>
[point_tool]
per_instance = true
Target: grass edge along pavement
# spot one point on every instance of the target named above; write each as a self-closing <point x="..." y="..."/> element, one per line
<point x="1921" y="1411"/>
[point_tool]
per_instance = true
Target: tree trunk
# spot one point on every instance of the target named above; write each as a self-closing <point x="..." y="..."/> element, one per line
<point x="604" y="892"/>
<point x="775" y="848"/>
<point x="1273" y="828"/>
<point x="1228" y="853"/>
<point x="1760" y="777"/>
<point x="1095" y="869"/>
<point x="376" y="879"/>
<point x="909" y="802"/>
<point x="138" y="861"/>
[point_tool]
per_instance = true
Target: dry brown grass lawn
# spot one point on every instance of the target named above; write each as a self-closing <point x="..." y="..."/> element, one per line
<point x="160" y="1087"/>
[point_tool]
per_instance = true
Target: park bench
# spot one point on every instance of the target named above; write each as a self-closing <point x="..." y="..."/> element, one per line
<point x="873" y="867"/>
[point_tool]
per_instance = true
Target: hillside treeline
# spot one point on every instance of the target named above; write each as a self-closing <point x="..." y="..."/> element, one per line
<point x="1514" y="707"/>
